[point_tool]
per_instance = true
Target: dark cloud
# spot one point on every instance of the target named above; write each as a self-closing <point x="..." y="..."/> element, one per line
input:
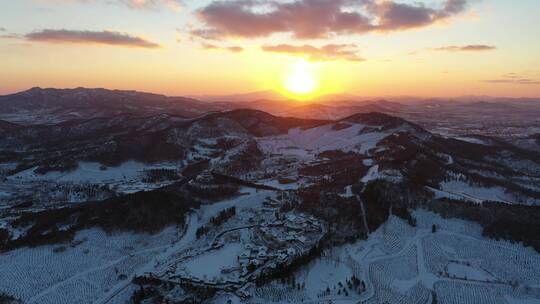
<point x="466" y="48"/>
<point x="325" y="53"/>
<point x="2" y="29"/>
<point x="90" y="37"/>
<point x="234" y="49"/>
<point x="399" y="16"/>
<point x="394" y="16"/>
<point x="316" y="18"/>
<point x="452" y="7"/>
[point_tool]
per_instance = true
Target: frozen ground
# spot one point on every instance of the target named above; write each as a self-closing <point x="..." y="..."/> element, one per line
<point x="91" y="172"/>
<point x="97" y="267"/>
<point x="460" y="190"/>
<point x="78" y="273"/>
<point x="473" y="140"/>
<point x="459" y="270"/>
<point x="305" y="144"/>
<point x="402" y="264"/>
<point x="125" y="178"/>
<point x="209" y="265"/>
<point x="397" y="264"/>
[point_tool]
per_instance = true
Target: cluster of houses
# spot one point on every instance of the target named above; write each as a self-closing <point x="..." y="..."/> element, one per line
<point x="206" y="183"/>
<point x="253" y="255"/>
<point x="292" y="229"/>
<point x="276" y="238"/>
<point x="288" y="234"/>
<point x="259" y="255"/>
<point x="205" y="179"/>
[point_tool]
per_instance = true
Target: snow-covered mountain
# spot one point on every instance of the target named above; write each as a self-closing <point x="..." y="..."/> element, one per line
<point x="242" y="205"/>
<point x="503" y="118"/>
<point x="49" y="106"/>
<point x="395" y="144"/>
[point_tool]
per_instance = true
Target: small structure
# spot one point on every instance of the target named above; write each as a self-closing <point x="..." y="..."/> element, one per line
<point x="205" y="177"/>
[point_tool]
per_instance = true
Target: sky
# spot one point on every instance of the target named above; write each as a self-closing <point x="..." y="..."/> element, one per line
<point x="435" y="48"/>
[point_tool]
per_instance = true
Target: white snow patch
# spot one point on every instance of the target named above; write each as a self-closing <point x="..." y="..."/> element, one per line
<point x="512" y="300"/>
<point x="464" y="271"/>
<point x="475" y="193"/>
<point x="93" y="172"/>
<point x="348" y="192"/>
<point x="372" y="174"/>
<point x="473" y="140"/>
<point x="307" y="143"/>
<point x="210" y="264"/>
<point x="127" y="177"/>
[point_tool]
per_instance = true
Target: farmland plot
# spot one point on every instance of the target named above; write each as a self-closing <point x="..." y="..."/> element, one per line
<point x="78" y="273"/>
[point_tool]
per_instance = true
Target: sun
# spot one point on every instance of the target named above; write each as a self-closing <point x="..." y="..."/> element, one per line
<point x="300" y="80"/>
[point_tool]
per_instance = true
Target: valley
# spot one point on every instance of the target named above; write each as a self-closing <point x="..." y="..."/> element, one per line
<point x="242" y="206"/>
<point x="269" y="152"/>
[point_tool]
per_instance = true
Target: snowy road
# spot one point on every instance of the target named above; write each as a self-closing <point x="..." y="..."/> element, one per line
<point x="196" y="219"/>
<point x="188" y="236"/>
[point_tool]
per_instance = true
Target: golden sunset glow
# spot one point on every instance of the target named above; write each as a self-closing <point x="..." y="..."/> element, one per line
<point x="416" y="48"/>
<point x="301" y="80"/>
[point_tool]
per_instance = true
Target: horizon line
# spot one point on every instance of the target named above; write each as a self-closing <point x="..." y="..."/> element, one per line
<point x="202" y="97"/>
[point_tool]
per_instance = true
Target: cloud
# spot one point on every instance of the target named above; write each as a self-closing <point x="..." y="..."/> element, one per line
<point x="234" y="49"/>
<point x="175" y="5"/>
<point x="10" y="36"/>
<point x="307" y="19"/>
<point x="90" y="37"/>
<point x="207" y="34"/>
<point x="514" y="81"/>
<point x="5" y="35"/>
<point x="512" y="75"/>
<point x="327" y="52"/>
<point x="466" y="48"/>
<point x="394" y="16"/>
<point x="513" y="78"/>
<point x="398" y="16"/>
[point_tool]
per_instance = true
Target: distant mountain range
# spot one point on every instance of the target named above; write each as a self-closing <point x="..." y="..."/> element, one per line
<point x="111" y="191"/>
<point x="58" y="105"/>
<point x="48" y="106"/>
<point x="231" y="140"/>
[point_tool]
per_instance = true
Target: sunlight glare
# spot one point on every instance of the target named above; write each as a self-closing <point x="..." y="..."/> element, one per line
<point x="301" y="80"/>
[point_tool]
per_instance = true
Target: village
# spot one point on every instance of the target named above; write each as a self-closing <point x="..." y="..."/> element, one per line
<point x="253" y="242"/>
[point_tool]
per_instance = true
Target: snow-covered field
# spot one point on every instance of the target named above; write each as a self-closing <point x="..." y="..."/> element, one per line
<point x="460" y="190"/>
<point x="403" y="264"/>
<point x="473" y="140"/>
<point x="128" y="177"/>
<point x="476" y="193"/>
<point x="307" y="143"/>
<point x="459" y="270"/>
<point x="82" y="271"/>
<point x="398" y="263"/>
<point x="96" y="266"/>
<point x="92" y="172"/>
<point x="209" y="265"/>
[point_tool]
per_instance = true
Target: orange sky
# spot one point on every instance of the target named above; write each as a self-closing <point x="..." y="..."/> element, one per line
<point x="444" y="48"/>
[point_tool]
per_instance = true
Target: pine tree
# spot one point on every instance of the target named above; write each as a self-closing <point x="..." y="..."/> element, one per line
<point x="433" y="297"/>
